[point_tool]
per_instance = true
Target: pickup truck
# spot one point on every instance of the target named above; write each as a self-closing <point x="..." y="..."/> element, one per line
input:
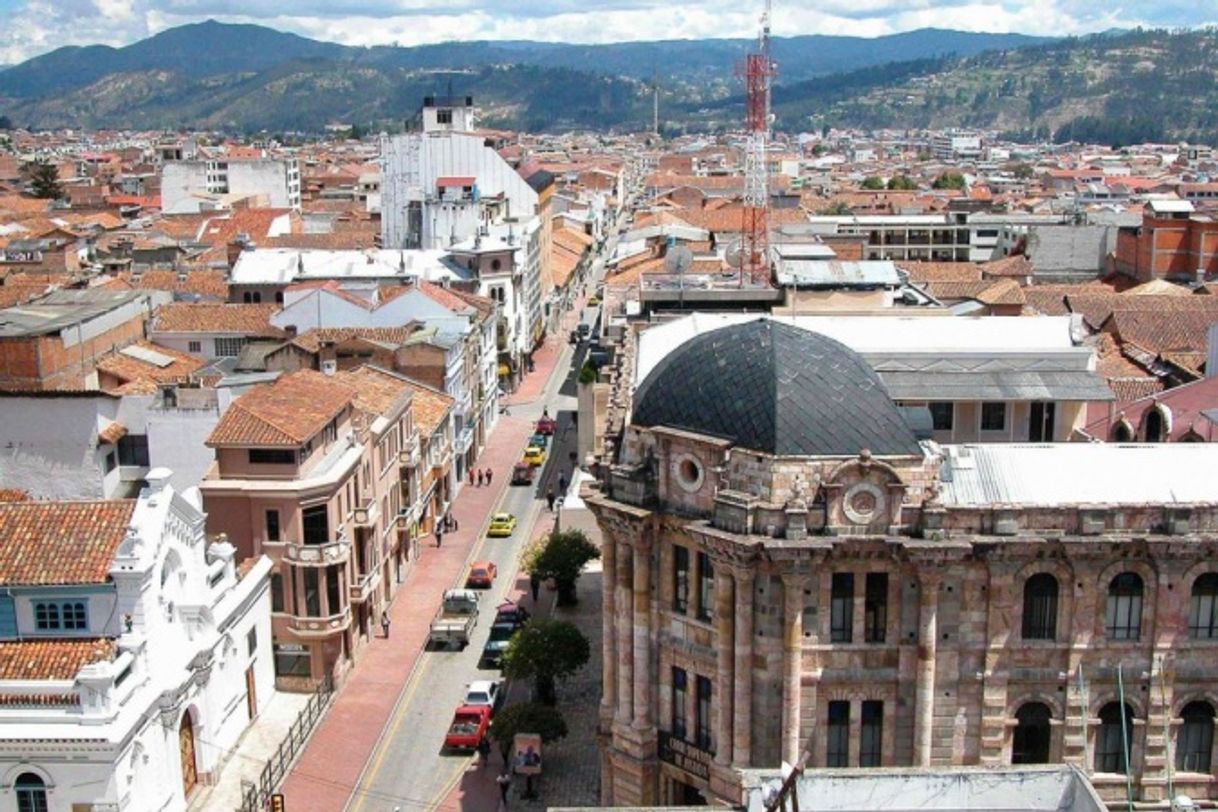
<point x="456" y="618"/>
<point x="468" y="728"/>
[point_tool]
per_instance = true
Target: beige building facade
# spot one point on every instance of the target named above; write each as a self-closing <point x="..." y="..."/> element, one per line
<point x="792" y="572"/>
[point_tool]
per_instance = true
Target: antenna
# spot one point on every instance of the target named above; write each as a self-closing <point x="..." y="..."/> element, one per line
<point x="655" y="100"/>
<point x="677" y="261"/>
<point x="755" y="231"/>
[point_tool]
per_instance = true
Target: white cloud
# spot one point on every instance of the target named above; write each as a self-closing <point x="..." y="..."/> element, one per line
<point x="36" y="26"/>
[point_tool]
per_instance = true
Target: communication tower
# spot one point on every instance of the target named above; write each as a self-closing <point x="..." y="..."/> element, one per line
<point x="755" y="235"/>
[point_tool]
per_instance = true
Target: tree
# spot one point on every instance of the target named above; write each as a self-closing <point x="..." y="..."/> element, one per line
<point x="902" y="183"/>
<point x="838" y="209"/>
<point x="562" y="557"/>
<point x="949" y="180"/>
<point x="44" y="180"/>
<point x="527" y="717"/>
<point x="545" y="651"/>
<point x="1023" y="171"/>
<point x="356" y="133"/>
<point x="874" y="182"/>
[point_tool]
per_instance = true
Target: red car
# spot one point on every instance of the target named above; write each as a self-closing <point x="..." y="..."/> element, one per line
<point x="546" y="425"/>
<point x="468" y="728"/>
<point x="481" y="575"/>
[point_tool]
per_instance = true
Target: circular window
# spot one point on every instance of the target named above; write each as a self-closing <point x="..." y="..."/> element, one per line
<point x="689" y="473"/>
<point x="862" y="503"/>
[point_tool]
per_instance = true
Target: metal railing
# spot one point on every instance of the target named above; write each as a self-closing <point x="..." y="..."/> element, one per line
<point x="257" y="797"/>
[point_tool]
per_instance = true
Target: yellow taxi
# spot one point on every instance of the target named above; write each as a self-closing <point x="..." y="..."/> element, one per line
<point x="502" y="524"/>
<point x="534" y="455"/>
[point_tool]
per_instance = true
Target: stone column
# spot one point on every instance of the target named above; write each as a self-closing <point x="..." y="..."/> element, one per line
<point x="924" y="721"/>
<point x="793" y="616"/>
<point x="608" y="639"/>
<point x="724" y="671"/>
<point x="642" y="634"/>
<point x="742" y="733"/>
<point x="625" y="635"/>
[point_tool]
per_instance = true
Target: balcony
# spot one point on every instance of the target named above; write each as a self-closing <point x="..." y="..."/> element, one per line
<point x="409" y="459"/>
<point x="365" y="515"/>
<point x="365" y="585"/>
<point x="318" y="555"/>
<point x="315" y="628"/>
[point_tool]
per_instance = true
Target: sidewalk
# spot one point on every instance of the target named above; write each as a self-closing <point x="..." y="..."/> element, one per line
<point x="256" y="747"/>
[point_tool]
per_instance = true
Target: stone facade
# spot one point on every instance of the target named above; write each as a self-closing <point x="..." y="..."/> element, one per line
<point x="760" y="609"/>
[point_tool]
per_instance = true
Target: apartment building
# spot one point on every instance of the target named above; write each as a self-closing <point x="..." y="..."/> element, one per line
<point x="190" y="187"/>
<point x="310" y="471"/>
<point x="1173" y="242"/>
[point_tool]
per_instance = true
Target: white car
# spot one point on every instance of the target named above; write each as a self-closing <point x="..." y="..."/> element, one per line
<point x="487" y="693"/>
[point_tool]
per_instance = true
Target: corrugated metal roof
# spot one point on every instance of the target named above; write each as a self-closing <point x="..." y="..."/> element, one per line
<point x="1079" y="473"/>
<point x="837" y="272"/>
<point x="996" y="385"/>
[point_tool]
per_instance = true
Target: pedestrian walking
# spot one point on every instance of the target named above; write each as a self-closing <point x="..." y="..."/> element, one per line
<point x="562" y="483"/>
<point x="439" y="535"/>
<point x="534" y="585"/>
<point x="550" y="499"/>
<point x="456" y="525"/>
<point x="484" y="750"/>
<point x="471" y="476"/>
<point x="480" y="477"/>
<point x="504" y="781"/>
<point x="385" y="623"/>
<point x="489" y="474"/>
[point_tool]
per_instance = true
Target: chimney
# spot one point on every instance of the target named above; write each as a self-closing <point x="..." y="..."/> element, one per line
<point x="290" y="330"/>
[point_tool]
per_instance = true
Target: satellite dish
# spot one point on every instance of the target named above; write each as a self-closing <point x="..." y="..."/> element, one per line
<point x="678" y="260"/>
<point x="734" y="256"/>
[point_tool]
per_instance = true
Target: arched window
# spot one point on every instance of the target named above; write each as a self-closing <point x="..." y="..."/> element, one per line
<point x="1121" y="433"/>
<point x="1030" y="744"/>
<point x="31" y="793"/>
<point x="1110" y="744"/>
<point x="1203" y="611"/>
<point x="1123" y="618"/>
<point x="1195" y="744"/>
<point x="1154" y="426"/>
<point x="1040" y="607"/>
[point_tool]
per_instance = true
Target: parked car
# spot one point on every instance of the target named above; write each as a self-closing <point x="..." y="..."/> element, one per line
<point x="481" y="575"/>
<point x="513" y="613"/>
<point x="468" y="727"/>
<point x="456" y="618"/>
<point x="496" y="644"/>
<point x="522" y="474"/>
<point x="540" y="440"/>
<point x="534" y="455"/>
<point x="546" y="425"/>
<point x="484" y="693"/>
<point x="502" y="524"/>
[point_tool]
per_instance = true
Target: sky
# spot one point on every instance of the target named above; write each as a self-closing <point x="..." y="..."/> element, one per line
<point x="31" y="27"/>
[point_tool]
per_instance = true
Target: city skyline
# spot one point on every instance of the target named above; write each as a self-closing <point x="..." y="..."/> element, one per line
<point x="32" y="27"/>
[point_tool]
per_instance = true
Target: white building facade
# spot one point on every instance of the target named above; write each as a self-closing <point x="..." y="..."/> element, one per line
<point x="190" y="187"/>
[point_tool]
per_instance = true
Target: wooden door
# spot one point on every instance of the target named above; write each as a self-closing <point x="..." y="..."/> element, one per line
<point x="251" y="695"/>
<point x="186" y="748"/>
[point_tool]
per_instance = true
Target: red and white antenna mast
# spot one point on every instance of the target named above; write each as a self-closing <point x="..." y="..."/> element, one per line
<point x="755" y="236"/>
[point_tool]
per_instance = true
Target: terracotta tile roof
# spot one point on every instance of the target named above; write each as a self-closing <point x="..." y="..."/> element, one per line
<point x="49" y="543"/>
<point x="1161" y="330"/>
<point x="50" y="660"/>
<point x="428" y="407"/>
<point x="311" y="340"/>
<point x="377" y="392"/>
<point x="1017" y="265"/>
<point x="940" y="271"/>
<point x="483" y="304"/>
<point x="1127" y="389"/>
<point x="731" y="219"/>
<point x="207" y="283"/>
<point x="245" y="319"/>
<point x="442" y="296"/>
<point x="1045" y="302"/>
<point x="572" y="240"/>
<point x="1110" y="362"/>
<point x="127" y="368"/>
<point x="13" y="495"/>
<point x="112" y="433"/>
<point x="1002" y="292"/>
<point x="285" y="413"/>
<point x="352" y="239"/>
<point x="1158" y="287"/>
<point x="219" y="231"/>
<point x="562" y="265"/>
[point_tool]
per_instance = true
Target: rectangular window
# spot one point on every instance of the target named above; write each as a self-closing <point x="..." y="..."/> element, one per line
<point x="75" y="616"/>
<point x="679" y="692"/>
<point x="837" y="744"/>
<point x="871" y="734"/>
<point x="875" y="607"/>
<point x="993" y="417"/>
<point x="251" y="641"/>
<point x="229" y="347"/>
<point x="312" y="596"/>
<point x="194" y="346"/>
<point x="272" y="456"/>
<point x="315" y="521"/>
<point x="444" y="116"/>
<point x="706" y="588"/>
<point x="941" y="416"/>
<point x="46" y="617"/>
<point x="680" y="579"/>
<point x="841" y="608"/>
<point x="334" y="584"/>
<point x="276" y="592"/>
<point x="133" y="450"/>
<point x="291" y="660"/>
<point x="702" y="723"/>
<point x="272" y="525"/>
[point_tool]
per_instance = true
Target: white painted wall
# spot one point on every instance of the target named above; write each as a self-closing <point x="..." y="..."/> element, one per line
<point x="48" y="446"/>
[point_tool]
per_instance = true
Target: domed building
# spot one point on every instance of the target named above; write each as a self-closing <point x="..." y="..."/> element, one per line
<point x="793" y="572"/>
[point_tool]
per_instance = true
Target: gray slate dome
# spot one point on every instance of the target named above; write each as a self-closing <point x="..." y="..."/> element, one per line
<point x="775" y="388"/>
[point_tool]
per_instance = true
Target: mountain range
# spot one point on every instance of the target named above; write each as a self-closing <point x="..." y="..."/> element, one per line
<point x="246" y="77"/>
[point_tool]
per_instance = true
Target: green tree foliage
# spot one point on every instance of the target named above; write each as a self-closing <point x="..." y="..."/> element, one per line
<point x="44" y="182"/>
<point x="838" y="209"/>
<point x="356" y="133"/>
<point x="527" y="717"/>
<point x="949" y="180"/>
<point x="545" y="651"/>
<point x="1023" y="171"/>
<point x="873" y="183"/>
<point x="562" y="557"/>
<point x="902" y="183"/>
